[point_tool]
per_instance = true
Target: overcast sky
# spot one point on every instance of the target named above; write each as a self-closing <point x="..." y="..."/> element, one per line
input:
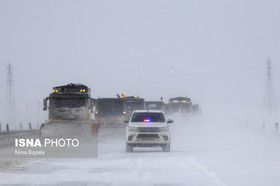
<point x="212" y="51"/>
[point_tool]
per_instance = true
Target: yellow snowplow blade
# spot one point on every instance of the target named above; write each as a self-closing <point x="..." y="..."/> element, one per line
<point x="68" y="129"/>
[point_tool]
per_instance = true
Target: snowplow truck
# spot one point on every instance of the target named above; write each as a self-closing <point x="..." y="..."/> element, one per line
<point x="110" y="111"/>
<point x="133" y="103"/>
<point x="69" y="112"/>
<point x="110" y="114"/>
<point x="179" y="105"/>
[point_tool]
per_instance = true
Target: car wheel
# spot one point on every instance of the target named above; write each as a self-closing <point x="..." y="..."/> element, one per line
<point x="129" y="148"/>
<point x="166" y="148"/>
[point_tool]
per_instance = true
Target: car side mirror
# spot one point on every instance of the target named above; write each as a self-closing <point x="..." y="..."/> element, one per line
<point x="126" y="121"/>
<point x="45" y="104"/>
<point x="170" y="121"/>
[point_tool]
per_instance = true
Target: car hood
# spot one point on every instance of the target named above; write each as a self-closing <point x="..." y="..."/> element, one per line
<point x="146" y="124"/>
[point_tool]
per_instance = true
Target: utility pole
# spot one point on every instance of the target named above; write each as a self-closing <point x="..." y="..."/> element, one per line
<point x="10" y="89"/>
<point x="270" y="105"/>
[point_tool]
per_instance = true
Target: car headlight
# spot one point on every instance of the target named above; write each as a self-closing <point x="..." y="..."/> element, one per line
<point x="164" y="129"/>
<point x="132" y="129"/>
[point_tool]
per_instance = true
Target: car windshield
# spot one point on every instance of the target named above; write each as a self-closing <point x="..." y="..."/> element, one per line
<point x="64" y="102"/>
<point x="148" y="117"/>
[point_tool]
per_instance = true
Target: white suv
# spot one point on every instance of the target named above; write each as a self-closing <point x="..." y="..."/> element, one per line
<point x="148" y="128"/>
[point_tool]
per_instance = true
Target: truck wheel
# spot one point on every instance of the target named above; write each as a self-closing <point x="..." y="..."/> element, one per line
<point x="166" y="148"/>
<point x="129" y="148"/>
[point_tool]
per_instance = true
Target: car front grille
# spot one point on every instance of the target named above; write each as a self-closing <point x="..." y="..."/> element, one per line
<point x="148" y="129"/>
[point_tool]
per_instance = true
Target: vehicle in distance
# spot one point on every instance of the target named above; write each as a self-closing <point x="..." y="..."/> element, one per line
<point x="133" y="103"/>
<point x="179" y="105"/>
<point x="110" y="110"/>
<point x="154" y="105"/>
<point x="148" y="128"/>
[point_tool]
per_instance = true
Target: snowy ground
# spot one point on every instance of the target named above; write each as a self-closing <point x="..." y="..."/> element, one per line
<point x="206" y="151"/>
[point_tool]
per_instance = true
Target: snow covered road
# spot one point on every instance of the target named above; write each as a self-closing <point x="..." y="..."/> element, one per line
<point x="204" y="152"/>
